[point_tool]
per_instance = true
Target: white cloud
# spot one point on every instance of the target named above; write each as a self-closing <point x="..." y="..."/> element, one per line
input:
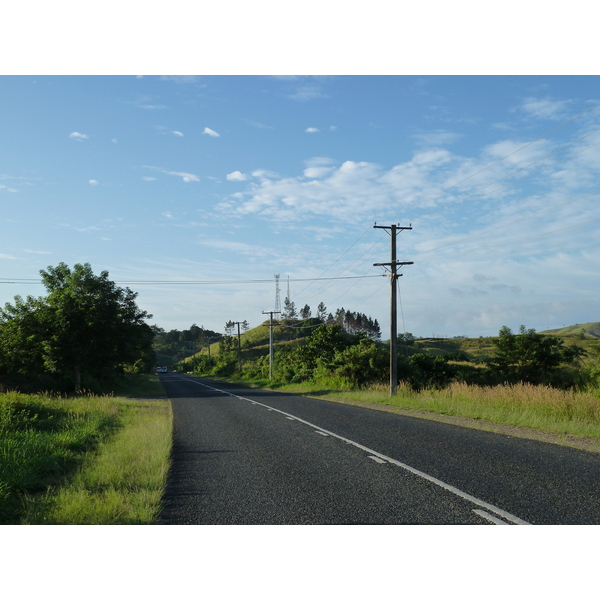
<point x="147" y="178"/>
<point x="8" y="189"/>
<point x="93" y="182"/>
<point x="544" y="108"/>
<point x="177" y="133"/>
<point x="317" y="172"/>
<point x="167" y="214"/>
<point x="304" y="93"/>
<point x="115" y="141"/>
<point x="311" y="130"/>
<point x="237" y="176"/>
<point x="78" y="136"/>
<point x="7" y="257"/>
<point x="187" y="177"/>
<point x="264" y="174"/>
<point x="211" y="132"/>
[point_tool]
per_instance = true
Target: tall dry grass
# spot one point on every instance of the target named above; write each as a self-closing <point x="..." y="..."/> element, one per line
<point x="534" y="406"/>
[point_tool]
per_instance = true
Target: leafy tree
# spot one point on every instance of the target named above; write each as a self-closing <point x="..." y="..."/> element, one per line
<point x="528" y="356"/>
<point x="305" y="312"/>
<point x="85" y="327"/>
<point x="408" y="339"/>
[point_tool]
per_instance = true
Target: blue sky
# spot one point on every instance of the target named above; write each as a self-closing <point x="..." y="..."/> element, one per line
<point x="221" y="178"/>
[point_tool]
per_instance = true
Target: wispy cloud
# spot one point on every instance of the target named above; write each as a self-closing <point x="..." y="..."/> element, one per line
<point x="78" y="136"/>
<point x="187" y="177"/>
<point x="258" y="124"/>
<point x="311" y="130"/>
<point x="545" y="108"/>
<point x="8" y="189"/>
<point x="147" y="103"/>
<point x="435" y="138"/>
<point x="93" y="182"/>
<point x="177" y="133"/>
<point x="307" y="92"/>
<point x="7" y="257"/>
<point x="211" y="132"/>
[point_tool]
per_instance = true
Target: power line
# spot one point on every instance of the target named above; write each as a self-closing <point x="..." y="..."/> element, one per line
<point x="197" y="282"/>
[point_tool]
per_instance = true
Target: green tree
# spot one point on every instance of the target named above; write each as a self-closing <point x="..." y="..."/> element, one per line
<point x="321" y="311"/>
<point x="528" y="356"/>
<point x="289" y="309"/>
<point x="86" y="326"/>
<point x="305" y="312"/>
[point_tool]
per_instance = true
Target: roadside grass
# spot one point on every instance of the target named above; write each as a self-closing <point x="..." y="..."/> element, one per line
<point x="523" y="405"/>
<point x="83" y="460"/>
<point x="541" y="408"/>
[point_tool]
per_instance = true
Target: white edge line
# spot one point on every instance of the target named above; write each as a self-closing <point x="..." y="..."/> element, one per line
<point x="489" y="517"/>
<point x="450" y="488"/>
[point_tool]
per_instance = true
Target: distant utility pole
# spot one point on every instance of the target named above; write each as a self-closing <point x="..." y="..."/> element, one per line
<point x="277" y="296"/>
<point x="271" y="313"/>
<point x="393" y="265"/>
<point x="238" y="323"/>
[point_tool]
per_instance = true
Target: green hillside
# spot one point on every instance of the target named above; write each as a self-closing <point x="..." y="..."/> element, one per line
<point x="255" y="341"/>
<point x="585" y="330"/>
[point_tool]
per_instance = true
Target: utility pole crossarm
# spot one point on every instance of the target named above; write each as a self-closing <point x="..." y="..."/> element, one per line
<point x="398" y="263"/>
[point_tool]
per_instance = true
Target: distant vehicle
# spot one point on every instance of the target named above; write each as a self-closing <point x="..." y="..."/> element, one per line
<point x="162" y="369"/>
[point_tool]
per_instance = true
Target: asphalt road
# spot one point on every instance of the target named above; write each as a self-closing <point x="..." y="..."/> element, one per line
<point x="244" y="456"/>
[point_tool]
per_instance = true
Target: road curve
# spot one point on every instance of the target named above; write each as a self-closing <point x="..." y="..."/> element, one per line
<point x="246" y="456"/>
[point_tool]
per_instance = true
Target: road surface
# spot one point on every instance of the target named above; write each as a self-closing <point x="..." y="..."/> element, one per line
<point x="246" y="456"/>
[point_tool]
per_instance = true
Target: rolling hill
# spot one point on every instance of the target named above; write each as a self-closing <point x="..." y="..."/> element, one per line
<point x="589" y="330"/>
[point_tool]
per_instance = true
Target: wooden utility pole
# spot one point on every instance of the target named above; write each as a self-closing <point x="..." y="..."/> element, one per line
<point x="393" y="265"/>
<point x="238" y="323"/>
<point x="271" y="313"/>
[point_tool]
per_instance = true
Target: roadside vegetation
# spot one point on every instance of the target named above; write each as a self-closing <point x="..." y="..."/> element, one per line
<point x="85" y="459"/>
<point x="528" y="379"/>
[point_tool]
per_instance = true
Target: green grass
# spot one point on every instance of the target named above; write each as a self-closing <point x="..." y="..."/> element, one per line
<point x="83" y="460"/>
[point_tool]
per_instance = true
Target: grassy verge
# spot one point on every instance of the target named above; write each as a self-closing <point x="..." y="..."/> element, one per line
<point x="83" y="460"/>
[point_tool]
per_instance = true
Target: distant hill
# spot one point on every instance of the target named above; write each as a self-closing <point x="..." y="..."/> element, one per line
<point x="589" y="330"/>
